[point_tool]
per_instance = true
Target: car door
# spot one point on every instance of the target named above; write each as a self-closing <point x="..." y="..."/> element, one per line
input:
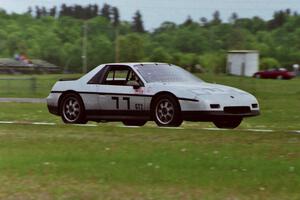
<point x="115" y="94"/>
<point x="268" y="73"/>
<point x="274" y="73"/>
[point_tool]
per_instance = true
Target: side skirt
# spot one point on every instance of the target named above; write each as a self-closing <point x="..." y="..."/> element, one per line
<point x="117" y="115"/>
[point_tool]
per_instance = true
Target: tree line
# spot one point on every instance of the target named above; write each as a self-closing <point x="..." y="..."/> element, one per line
<point x="90" y="11"/>
<point x="56" y="35"/>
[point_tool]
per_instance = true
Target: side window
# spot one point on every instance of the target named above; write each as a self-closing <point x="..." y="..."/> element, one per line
<point x="98" y="77"/>
<point x="133" y="79"/>
<point x="117" y="76"/>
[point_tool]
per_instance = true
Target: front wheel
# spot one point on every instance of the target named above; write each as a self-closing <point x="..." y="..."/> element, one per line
<point x="167" y="111"/>
<point x="72" y="110"/>
<point x="134" y="123"/>
<point x="228" y="123"/>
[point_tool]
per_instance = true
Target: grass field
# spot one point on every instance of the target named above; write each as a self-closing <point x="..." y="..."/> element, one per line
<point x="29" y="86"/>
<point x="113" y="162"/>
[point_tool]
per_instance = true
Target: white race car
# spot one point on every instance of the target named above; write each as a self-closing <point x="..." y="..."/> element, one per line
<point x="135" y="93"/>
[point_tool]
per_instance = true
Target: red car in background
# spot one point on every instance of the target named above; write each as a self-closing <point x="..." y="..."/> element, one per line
<point x="278" y="73"/>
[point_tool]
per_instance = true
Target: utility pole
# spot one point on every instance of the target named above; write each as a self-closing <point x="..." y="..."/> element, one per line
<point x="84" y="48"/>
<point x="117" y="50"/>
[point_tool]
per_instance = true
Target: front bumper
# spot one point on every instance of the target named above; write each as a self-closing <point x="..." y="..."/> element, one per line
<point x="52" y="103"/>
<point x="53" y="109"/>
<point x="215" y="115"/>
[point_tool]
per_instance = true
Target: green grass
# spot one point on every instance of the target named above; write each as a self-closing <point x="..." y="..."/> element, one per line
<point x="37" y="86"/>
<point x="26" y="112"/>
<point x="111" y="162"/>
<point x="147" y="163"/>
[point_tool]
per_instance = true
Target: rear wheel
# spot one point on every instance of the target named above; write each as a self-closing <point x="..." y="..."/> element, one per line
<point x="72" y="110"/>
<point x="279" y="77"/>
<point x="228" y="123"/>
<point x="167" y="111"/>
<point x="257" y="76"/>
<point x="134" y="123"/>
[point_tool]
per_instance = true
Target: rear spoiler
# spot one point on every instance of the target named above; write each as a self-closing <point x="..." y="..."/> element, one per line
<point x="68" y="79"/>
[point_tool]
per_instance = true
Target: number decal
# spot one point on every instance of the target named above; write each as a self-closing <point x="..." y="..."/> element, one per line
<point x="128" y="102"/>
<point x="124" y="99"/>
<point x="117" y="101"/>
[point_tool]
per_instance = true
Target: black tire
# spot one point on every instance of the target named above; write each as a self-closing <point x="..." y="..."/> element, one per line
<point x="134" y="122"/>
<point x="230" y="123"/>
<point x="72" y="109"/>
<point x="166" y="111"/>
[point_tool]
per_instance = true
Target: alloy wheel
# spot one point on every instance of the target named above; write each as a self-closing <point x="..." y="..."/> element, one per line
<point x="164" y="111"/>
<point x="71" y="109"/>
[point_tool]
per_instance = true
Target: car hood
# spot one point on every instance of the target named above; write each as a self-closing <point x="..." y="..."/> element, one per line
<point x="201" y="88"/>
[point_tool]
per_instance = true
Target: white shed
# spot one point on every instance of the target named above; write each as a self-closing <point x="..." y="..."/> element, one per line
<point x="242" y="62"/>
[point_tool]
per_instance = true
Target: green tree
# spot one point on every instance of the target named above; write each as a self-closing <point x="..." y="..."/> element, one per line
<point x="115" y="16"/>
<point x="268" y="63"/>
<point x="188" y="21"/>
<point x="60" y="39"/>
<point x="102" y="51"/>
<point x="106" y="11"/>
<point x="160" y="54"/>
<point x="131" y="48"/>
<point x="138" y="24"/>
<point x="234" y="16"/>
<point x="214" y="62"/>
<point x="216" y="18"/>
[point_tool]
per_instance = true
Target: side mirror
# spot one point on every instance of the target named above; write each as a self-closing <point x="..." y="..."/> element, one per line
<point x="136" y="87"/>
<point x="134" y="84"/>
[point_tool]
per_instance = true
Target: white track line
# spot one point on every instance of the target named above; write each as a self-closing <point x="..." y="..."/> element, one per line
<point x="297" y="131"/>
<point x="6" y="122"/>
<point x="171" y="128"/>
<point x="122" y="126"/>
<point x="260" y="130"/>
<point x="43" y="123"/>
<point x="215" y="129"/>
<point x="90" y="125"/>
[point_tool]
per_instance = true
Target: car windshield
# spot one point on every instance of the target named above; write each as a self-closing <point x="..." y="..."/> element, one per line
<point x="165" y="73"/>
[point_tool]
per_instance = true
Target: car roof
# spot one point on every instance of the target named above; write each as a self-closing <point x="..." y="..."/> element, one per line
<point x="91" y="73"/>
<point x="137" y="63"/>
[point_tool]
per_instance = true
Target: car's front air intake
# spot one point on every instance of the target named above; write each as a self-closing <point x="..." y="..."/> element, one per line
<point x="237" y="109"/>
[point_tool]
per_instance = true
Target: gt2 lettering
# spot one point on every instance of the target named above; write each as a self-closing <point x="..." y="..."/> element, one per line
<point x="139" y="106"/>
<point x="124" y="99"/>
